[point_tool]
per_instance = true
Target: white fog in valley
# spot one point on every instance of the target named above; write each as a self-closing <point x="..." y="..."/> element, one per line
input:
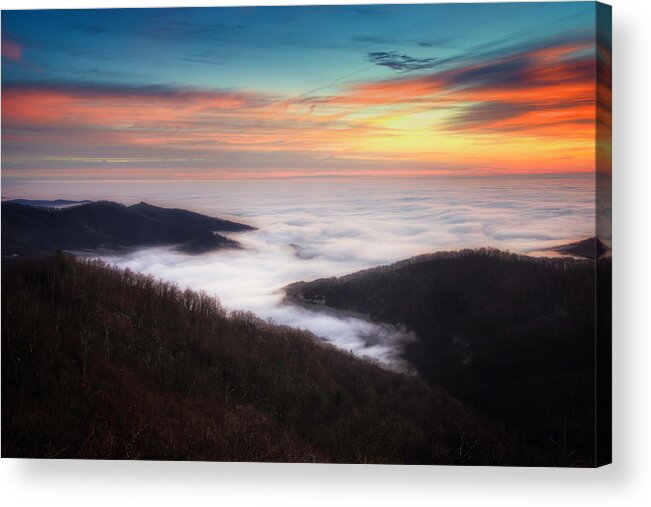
<point x="313" y="228"/>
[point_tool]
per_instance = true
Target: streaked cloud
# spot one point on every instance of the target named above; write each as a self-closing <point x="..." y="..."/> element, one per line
<point x="400" y="62"/>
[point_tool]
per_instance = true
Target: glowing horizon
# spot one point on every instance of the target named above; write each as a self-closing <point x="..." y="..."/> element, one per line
<point x="408" y="90"/>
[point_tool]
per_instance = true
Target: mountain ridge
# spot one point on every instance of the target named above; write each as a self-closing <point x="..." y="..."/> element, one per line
<point x="45" y="203"/>
<point x="29" y="231"/>
<point x="511" y="335"/>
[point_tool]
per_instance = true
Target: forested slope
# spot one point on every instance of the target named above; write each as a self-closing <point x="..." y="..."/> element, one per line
<point x="511" y="335"/>
<point x="103" y="363"/>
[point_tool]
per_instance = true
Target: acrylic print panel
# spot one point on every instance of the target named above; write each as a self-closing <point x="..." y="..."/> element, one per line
<point x="348" y="234"/>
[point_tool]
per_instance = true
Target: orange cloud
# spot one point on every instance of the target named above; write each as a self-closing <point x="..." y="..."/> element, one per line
<point x="116" y="108"/>
<point x="535" y="111"/>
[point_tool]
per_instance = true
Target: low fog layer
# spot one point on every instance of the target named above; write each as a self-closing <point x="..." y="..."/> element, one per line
<point x="309" y="229"/>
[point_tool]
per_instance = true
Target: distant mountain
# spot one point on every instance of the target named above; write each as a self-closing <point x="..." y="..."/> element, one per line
<point x="513" y="336"/>
<point x="590" y="248"/>
<point x="57" y="203"/>
<point x="29" y="230"/>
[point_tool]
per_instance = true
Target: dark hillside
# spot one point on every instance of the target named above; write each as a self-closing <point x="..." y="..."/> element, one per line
<point x="103" y="363"/>
<point x="33" y="231"/>
<point x="44" y="203"/>
<point x="590" y="248"/>
<point x="187" y="218"/>
<point x="511" y="335"/>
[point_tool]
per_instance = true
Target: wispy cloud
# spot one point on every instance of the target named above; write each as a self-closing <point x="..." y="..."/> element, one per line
<point x="171" y="29"/>
<point x="400" y="62"/>
<point x="531" y="92"/>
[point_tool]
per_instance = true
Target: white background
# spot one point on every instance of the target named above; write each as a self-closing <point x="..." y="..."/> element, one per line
<point x="626" y="482"/>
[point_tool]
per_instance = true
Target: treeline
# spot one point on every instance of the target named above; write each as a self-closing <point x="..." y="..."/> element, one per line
<point x="563" y="263"/>
<point x="511" y="335"/>
<point x="103" y="363"/>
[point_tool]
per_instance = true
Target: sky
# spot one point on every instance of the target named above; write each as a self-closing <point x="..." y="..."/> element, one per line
<point x="256" y="92"/>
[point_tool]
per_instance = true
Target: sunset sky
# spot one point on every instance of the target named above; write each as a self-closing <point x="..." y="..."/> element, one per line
<point x="301" y="91"/>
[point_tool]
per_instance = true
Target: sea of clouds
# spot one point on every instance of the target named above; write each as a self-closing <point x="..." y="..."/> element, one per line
<point x="313" y="228"/>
